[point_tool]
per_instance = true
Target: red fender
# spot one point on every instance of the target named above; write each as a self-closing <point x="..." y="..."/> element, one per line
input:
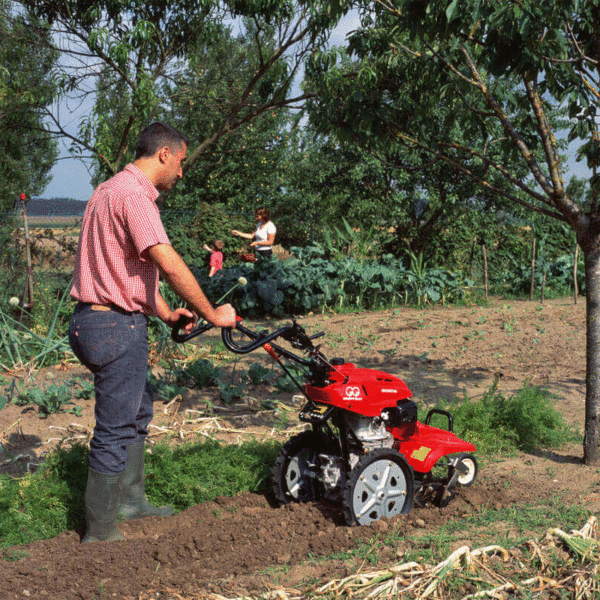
<point x="423" y="445"/>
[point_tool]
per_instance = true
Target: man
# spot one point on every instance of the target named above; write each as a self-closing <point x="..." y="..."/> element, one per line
<point x="122" y="249"/>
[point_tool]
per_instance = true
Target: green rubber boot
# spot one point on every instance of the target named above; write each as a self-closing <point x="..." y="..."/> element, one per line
<point x="101" y="506"/>
<point x="134" y="504"/>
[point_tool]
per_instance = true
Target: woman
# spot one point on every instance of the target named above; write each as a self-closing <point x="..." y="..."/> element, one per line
<point x="264" y="234"/>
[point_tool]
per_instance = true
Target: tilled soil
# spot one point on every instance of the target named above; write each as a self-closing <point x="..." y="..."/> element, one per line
<point x="246" y="545"/>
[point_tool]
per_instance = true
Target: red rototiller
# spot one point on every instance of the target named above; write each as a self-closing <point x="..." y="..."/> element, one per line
<point x="365" y="448"/>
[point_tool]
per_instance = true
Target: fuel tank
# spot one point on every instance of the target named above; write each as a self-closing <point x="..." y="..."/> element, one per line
<point x="363" y="391"/>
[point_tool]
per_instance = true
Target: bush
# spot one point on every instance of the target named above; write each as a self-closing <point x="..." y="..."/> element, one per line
<point x="188" y="231"/>
<point x="526" y="420"/>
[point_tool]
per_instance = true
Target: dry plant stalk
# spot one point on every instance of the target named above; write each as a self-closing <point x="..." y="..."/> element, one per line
<point x="413" y="580"/>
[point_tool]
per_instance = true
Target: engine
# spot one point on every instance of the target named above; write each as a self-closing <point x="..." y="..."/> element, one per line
<point x="369" y="433"/>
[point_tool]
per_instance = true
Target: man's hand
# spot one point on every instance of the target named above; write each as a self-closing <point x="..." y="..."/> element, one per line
<point x="224" y="316"/>
<point x="186" y="316"/>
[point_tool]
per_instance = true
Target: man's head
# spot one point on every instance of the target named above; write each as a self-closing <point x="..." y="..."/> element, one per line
<point x="159" y="153"/>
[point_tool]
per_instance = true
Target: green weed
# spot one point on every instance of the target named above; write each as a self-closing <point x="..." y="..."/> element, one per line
<point x="230" y="392"/>
<point x="259" y="374"/>
<point x="525" y="420"/>
<point x="48" y="399"/>
<point x="203" y="373"/>
<point x="165" y="386"/>
<point x="41" y="505"/>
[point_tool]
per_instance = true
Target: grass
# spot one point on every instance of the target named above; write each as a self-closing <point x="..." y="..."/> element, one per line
<point x="43" y="504"/>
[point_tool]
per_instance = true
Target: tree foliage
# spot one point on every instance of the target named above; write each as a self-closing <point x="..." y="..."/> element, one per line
<point x="28" y="152"/>
<point x="26" y="88"/>
<point x="140" y="57"/>
<point x="484" y="88"/>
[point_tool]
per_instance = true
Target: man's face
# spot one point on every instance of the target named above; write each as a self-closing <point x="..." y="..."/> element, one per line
<point x="172" y="167"/>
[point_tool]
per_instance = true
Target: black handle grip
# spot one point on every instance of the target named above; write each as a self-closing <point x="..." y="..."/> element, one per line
<point x="259" y="340"/>
<point x="178" y="337"/>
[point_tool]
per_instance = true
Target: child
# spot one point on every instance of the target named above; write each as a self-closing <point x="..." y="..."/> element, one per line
<point x="216" y="256"/>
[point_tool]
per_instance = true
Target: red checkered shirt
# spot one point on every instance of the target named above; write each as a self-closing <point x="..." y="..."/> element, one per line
<point x="121" y="221"/>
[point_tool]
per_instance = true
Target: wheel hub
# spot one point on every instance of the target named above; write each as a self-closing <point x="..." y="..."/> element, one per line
<point x="379" y="492"/>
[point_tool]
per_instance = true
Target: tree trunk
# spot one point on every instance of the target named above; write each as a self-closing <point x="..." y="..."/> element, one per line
<point x="591" y="441"/>
<point x="485" y="271"/>
<point x="575" y="286"/>
<point x="532" y="269"/>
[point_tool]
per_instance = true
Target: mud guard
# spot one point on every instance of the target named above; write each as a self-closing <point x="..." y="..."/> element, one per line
<point x="427" y="445"/>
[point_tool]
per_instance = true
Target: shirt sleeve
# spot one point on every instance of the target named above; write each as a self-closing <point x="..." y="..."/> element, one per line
<point x="144" y="223"/>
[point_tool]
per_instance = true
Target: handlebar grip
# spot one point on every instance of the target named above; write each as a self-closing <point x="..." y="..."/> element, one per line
<point x="258" y="340"/>
<point x="178" y="337"/>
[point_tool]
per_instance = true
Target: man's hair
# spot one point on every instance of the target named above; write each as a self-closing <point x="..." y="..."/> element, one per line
<point x="156" y="136"/>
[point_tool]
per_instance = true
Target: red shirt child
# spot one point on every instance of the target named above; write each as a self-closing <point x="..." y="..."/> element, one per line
<point x="216" y="257"/>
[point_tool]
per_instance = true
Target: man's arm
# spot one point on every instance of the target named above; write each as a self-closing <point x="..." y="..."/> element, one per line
<point x="181" y="280"/>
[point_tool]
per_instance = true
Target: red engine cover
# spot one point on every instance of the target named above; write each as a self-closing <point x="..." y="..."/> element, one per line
<point x="363" y="391"/>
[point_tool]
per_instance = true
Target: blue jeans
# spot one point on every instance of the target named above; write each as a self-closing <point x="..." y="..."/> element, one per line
<point x="113" y="345"/>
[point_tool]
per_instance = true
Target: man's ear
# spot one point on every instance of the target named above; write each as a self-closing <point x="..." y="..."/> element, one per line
<point x="163" y="154"/>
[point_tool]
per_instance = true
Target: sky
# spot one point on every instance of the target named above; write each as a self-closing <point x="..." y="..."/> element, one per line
<point x="71" y="179"/>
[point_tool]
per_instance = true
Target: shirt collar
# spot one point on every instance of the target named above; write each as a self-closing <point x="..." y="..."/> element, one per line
<point x="146" y="184"/>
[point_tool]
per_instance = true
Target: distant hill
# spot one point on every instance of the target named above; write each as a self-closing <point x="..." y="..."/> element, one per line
<point x="55" y="207"/>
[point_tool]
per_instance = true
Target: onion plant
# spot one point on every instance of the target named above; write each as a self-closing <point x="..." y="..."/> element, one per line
<point x="22" y="344"/>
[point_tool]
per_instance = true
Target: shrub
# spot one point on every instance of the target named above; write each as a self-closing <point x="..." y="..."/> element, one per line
<point x="497" y="424"/>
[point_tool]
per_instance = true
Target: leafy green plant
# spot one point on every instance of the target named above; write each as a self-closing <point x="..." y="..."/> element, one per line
<point x="165" y="386"/>
<point x="230" y="392"/>
<point x="49" y="399"/>
<point x="525" y="420"/>
<point x="203" y="373"/>
<point x="259" y="374"/>
<point x="86" y="390"/>
<point x="285" y="384"/>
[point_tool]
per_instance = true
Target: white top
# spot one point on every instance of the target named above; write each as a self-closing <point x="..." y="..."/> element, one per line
<point x="262" y="232"/>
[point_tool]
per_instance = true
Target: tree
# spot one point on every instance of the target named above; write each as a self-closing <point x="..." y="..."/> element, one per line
<point x="242" y="167"/>
<point x="26" y="88"/>
<point x="505" y="72"/>
<point x="28" y="152"/>
<point x="132" y="60"/>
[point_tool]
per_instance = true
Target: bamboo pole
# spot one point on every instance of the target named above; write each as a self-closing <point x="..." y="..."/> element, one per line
<point x="485" y="271"/>
<point x="543" y="288"/>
